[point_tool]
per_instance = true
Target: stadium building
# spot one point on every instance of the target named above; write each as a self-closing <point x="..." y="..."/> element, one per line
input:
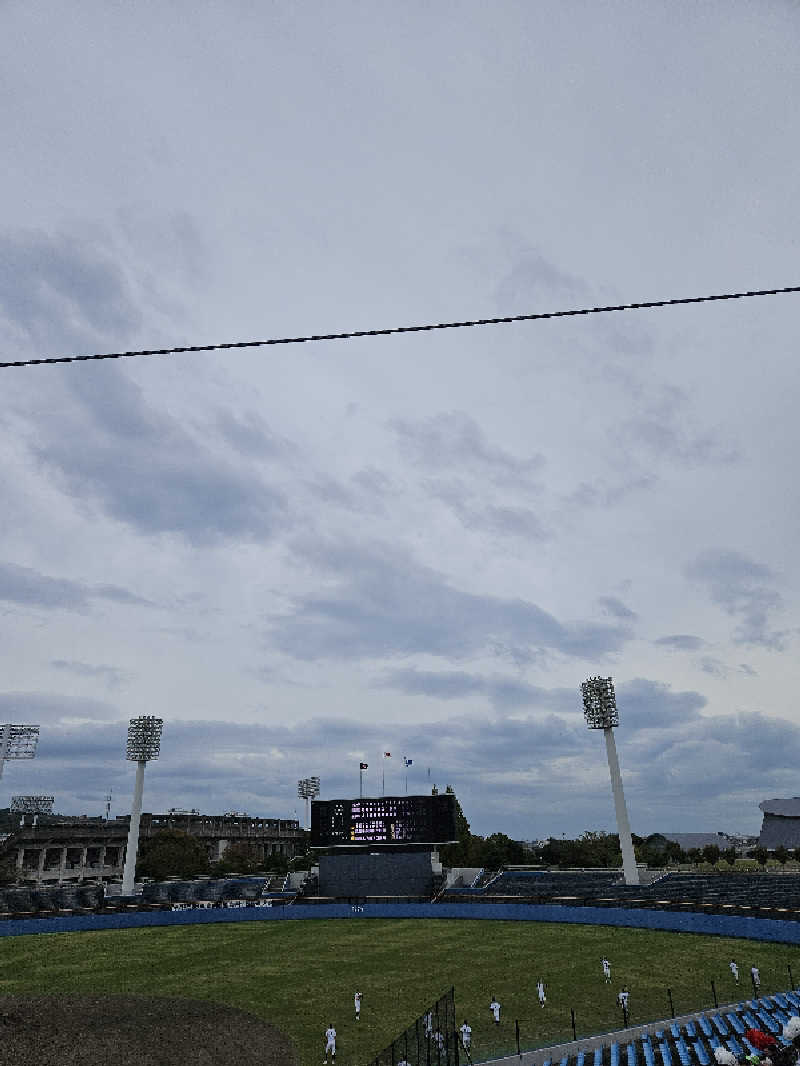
<point x="781" y="825"/>
<point x="57" y="849"/>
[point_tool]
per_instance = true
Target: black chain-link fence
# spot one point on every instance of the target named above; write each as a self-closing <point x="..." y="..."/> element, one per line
<point x="431" y="1040"/>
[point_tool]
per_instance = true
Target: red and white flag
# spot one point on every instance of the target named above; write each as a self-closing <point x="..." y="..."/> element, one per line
<point x="387" y="755"/>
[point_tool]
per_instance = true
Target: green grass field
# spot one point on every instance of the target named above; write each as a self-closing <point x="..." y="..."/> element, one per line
<point x="301" y="975"/>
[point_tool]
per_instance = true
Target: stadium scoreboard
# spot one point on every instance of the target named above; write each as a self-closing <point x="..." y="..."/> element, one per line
<point x="386" y="820"/>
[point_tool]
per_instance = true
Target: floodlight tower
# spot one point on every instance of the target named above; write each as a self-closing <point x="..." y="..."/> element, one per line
<point x="600" y="712"/>
<point x="17" y="742"/>
<point x="144" y="743"/>
<point x="308" y="789"/>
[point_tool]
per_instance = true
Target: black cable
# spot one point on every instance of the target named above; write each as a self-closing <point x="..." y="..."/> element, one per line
<point x="401" y="329"/>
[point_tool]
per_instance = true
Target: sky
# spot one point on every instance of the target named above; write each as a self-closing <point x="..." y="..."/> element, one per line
<point x="301" y="557"/>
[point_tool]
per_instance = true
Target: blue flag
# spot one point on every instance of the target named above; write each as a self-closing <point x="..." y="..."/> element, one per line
<point x="408" y="762"/>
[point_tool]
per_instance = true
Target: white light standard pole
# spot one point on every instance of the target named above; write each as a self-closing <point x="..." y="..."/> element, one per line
<point x="600" y="712"/>
<point x="144" y="743"/>
<point x="308" y="789"/>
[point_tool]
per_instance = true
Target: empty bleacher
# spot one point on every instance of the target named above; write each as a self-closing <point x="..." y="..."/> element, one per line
<point x="759" y="895"/>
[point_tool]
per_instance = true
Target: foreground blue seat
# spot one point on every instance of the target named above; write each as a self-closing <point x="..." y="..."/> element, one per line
<point x="705" y="1025"/>
<point x="615" y="1054"/>
<point x="719" y="1025"/>
<point x="736" y="1025"/>
<point x="598" y="1056"/>
<point x="666" y="1054"/>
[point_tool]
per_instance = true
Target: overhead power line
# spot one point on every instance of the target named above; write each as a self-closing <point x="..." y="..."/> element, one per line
<point x="352" y="334"/>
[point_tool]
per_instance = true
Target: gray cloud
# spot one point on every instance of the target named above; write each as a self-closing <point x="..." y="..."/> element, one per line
<point x="503" y="693"/>
<point x="25" y="586"/>
<point x="453" y="441"/>
<point x="616" y="608"/>
<point x="741" y="587"/>
<point x="384" y="604"/>
<point x="113" y="677"/>
<point x="662" y="429"/>
<point x="532" y="275"/>
<point x="489" y="518"/>
<point x="143" y="468"/>
<point x="250" y="435"/>
<point x="681" y="642"/>
<point x="64" y="289"/>
<point x="35" y="707"/>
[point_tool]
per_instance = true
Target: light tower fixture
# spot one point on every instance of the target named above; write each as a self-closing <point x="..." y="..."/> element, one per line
<point x="308" y="789"/>
<point x="144" y="744"/>
<point x="32" y="804"/>
<point x="600" y="712"/>
<point x="17" y="742"/>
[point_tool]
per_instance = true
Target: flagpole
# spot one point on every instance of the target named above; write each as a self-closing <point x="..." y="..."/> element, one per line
<point x="360" y="782"/>
<point x="383" y="766"/>
<point x="405" y="761"/>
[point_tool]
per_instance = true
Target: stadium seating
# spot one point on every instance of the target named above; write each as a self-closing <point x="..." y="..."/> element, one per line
<point x="756" y="895"/>
<point x="692" y="1043"/>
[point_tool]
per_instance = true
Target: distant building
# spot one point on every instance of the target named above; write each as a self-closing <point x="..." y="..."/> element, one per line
<point x="781" y="824"/>
<point x="687" y="841"/>
<point x="56" y="848"/>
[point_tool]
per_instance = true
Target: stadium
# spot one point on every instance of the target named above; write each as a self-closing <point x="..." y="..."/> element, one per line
<point x="601" y="967"/>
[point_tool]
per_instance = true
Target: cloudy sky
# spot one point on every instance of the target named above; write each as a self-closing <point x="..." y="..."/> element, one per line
<point x="300" y="557"/>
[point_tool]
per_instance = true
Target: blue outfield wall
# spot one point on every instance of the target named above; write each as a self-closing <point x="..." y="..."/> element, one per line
<point x="669" y="921"/>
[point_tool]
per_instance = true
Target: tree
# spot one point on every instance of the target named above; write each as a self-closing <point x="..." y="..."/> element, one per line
<point x="782" y="854"/>
<point x="760" y="855"/>
<point x="499" y="850"/>
<point x="171" y="853"/>
<point x="238" y="858"/>
<point x="462" y="853"/>
<point x="730" y="855"/>
<point x="711" y="853"/>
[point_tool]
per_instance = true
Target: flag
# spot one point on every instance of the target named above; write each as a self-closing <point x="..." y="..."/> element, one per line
<point x="387" y="755"/>
<point x="364" y="766"/>
<point x="408" y="762"/>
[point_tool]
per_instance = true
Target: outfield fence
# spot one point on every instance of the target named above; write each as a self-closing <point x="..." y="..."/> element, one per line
<point x="430" y="1040"/>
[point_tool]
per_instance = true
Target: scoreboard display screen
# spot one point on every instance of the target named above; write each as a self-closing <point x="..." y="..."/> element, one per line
<point x="384" y="820"/>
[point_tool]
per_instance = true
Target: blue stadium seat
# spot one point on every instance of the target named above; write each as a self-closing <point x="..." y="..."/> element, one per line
<point x="615" y="1054"/>
<point x="683" y="1052"/>
<point x="598" y="1056"/>
<point x="768" y="1022"/>
<point x="719" y="1024"/>
<point x="666" y="1054"/>
<point x="580" y="1058"/>
<point x="649" y="1058"/>
<point x="631" y="1050"/>
<point x="701" y="1052"/>
<point x="736" y="1025"/>
<point x="564" y="1061"/>
<point x="705" y="1025"/>
<point x="691" y="1031"/>
<point x="675" y="1031"/>
<point x="735" y="1046"/>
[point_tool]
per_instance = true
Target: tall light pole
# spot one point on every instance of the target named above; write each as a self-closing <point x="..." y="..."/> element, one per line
<point x="308" y="789"/>
<point x="600" y="712"/>
<point x="144" y="743"/>
<point x="17" y="742"/>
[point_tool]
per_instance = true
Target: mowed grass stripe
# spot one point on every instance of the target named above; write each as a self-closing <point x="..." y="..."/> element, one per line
<point x="301" y="975"/>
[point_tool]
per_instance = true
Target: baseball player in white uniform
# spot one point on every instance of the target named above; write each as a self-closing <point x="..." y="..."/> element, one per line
<point x="466" y="1036"/>
<point x="540" y="992"/>
<point x="330" y="1043"/>
<point x="607" y="970"/>
<point x="357" y="1002"/>
<point x="734" y="970"/>
<point x="494" y="1007"/>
